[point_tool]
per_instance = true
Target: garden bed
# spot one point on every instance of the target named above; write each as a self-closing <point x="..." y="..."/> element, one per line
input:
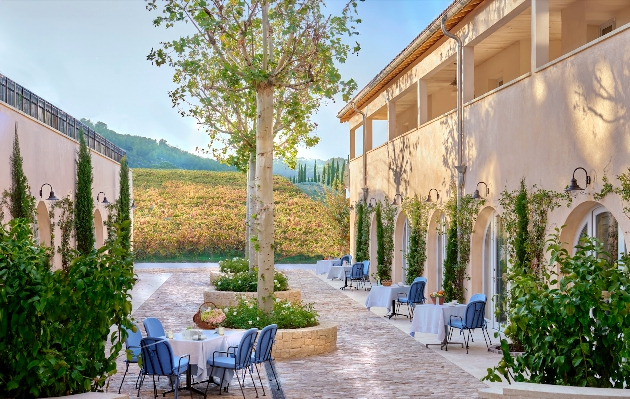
<point x="230" y="298"/>
<point x="303" y="342"/>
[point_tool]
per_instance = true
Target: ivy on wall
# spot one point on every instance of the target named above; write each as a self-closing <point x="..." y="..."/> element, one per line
<point x="623" y="190"/>
<point x="66" y="226"/>
<point x="418" y="218"/>
<point x="385" y="219"/>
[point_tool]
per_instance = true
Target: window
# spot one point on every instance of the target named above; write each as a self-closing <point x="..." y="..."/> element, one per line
<point x="606" y="27"/>
<point x="494" y="267"/>
<point x="601" y="224"/>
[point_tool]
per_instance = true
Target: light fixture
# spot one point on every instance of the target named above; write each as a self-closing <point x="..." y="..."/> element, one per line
<point x="574" y="186"/>
<point x="476" y="194"/>
<point x="394" y="202"/>
<point x="133" y="204"/>
<point x="370" y="206"/>
<point x="429" y="196"/>
<point x="105" y="202"/>
<point x="51" y="196"/>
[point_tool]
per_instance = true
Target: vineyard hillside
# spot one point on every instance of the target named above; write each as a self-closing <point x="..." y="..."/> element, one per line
<point x="200" y="216"/>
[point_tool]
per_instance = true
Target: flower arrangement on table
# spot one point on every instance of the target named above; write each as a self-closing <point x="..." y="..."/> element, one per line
<point x="213" y="316"/>
<point x="437" y="297"/>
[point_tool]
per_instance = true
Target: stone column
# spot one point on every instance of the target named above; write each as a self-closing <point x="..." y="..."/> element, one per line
<point x="540" y="33"/>
<point x="468" y="65"/>
<point x="391" y="120"/>
<point x="423" y="100"/>
<point x="353" y="141"/>
<point x="368" y="134"/>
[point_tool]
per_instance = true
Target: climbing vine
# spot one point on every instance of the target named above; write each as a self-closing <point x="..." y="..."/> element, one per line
<point x="385" y="229"/>
<point x="66" y="227"/>
<point x="361" y="249"/>
<point x="623" y="191"/>
<point x="418" y="218"/>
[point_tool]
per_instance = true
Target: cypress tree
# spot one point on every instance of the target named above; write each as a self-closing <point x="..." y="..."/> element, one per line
<point x="83" y="205"/>
<point x="22" y="202"/>
<point x="358" y="248"/>
<point x="342" y="172"/>
<point x="124" y="205"/>
<point x="315" y="172"/>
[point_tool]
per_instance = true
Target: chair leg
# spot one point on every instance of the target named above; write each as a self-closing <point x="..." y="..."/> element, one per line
<point x="252" y="376"/>
<point x="260" y="379"/>
<point x="140" y="385"/>
<point x="123" y="379"/>
<point x="484" y="332"/>
<point x="274" y="372"/>
<point x="239" y="383"/>
<point x="154" y="389"/>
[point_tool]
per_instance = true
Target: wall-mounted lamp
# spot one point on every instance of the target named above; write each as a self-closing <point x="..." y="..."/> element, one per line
<point x="574" y="186"/>
<point x="429" y="196"/>
<point x="51" y="196"/>
<point x="105" y="202"/>
<point x="133" y="204"/>
<point x="395" y="202"/>
<point x="370" y="206"/>
<point x="476" y="194"/>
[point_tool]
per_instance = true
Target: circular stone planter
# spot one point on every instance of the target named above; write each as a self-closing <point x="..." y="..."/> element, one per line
<point x="303" y="342"/>
<point x="229" y="298"/>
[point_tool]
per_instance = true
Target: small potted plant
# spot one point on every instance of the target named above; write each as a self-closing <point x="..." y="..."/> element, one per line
<point x="437" y="297"/>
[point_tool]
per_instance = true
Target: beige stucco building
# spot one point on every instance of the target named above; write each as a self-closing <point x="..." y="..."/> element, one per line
<point x="48" y="144"/>
<point x="546" y="89"/>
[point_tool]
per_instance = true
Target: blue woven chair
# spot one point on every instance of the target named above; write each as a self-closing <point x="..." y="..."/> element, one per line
<point x="153" y="327"/>
<point x="366" y="273"/>
<point x="415" y="296"/>
<point x="158" y="360"/>
<point x="266" y="339"/>
<point x="132" y="347"/>
<point x="473" y="318"/>
<point x="484" y="329"/>
<point x="354" y="275"/>
<point x="420" y="279"/>
<point x="242" y="360"/>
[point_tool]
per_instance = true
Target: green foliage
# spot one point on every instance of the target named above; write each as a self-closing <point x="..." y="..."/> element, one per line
<point x="123" y="205"/>
<point x="418" y="218"/>
<point x="144" y="152"/>
<point x="234" y="265"/>
<point x="362" y="223"/>
<point x="54" y="325"/>
<point x="623" y="191"/>
<point x="521" y="254"/>
<point x="66" y="226"/>
<point x="21" y="202"/>
<point x="338" y="211"/>
<point x="451" y="269"/>
<point x="285" y="314"/>
<point x="381" y="269"/>
<point x="385" y="226"/>
<point x="84" y="204"/>
<point x="247" y="281"/>
<point x="573" y="326"/>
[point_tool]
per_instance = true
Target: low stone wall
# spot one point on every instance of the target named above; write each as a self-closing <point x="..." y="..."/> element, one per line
<point x="97" y="395"/>
<point x="303" y="342"/>
<point x="228" y="298"/>
<point x="524" y="390"/>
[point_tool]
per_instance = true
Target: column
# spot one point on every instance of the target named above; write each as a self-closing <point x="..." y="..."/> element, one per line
<point x="353" y="143"/>
<point x="391" y="120"/>
<point x="468" y="65"/>
<point x="368" y="134"/>
<point x="540" y="33"/>
<point x="423" y="114"/>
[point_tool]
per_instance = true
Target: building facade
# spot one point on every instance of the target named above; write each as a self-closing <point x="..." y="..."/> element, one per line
<point x="49" y="144"/>
<point x="546" y="89"/>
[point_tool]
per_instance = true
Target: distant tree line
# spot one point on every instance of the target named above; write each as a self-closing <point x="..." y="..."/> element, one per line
<point x="331" y="174"/>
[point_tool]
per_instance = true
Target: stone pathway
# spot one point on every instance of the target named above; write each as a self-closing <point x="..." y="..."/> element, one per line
<point x="373" y="358"/>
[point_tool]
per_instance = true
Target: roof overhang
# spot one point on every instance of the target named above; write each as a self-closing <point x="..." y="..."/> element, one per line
<point x="455" y="13"/>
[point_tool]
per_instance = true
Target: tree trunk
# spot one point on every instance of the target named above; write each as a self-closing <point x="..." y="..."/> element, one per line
<point x="264" y="195"/>
<point x="250" y="248"/>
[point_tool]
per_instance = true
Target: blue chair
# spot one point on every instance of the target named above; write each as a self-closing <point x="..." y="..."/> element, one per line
<point x="158" y="359"/>
<point x="266" y="339"/>
<point x="420" y="279"/>
<point x="484" y="329"/>
<point x="366" y="274"/>
<point x="132" y="346"/>
<point x="415" y="296"/>
<point x="242" y="360"/>
<point x="473" y="318"/>
<point x="153" y="327"/>
<point x="347" y="258"/>
<point x="356" y="274"/>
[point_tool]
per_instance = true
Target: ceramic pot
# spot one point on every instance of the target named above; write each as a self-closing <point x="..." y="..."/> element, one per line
<point x="387" y="283"/>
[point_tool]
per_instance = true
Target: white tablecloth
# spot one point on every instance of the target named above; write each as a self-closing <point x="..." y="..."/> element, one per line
<point x="432" y="319"/>
<point x="381" y="296"/>
<point x="201" y="351"/>
<point x="339" y="272"/>
<point x="323" y="266"/>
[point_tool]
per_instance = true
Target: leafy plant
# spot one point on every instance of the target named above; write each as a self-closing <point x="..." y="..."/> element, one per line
<point x="123" y="205"/>
<point x="385" y="219"/>
<point x="54" y="325"/>
<point x="361" y="251"/>
<point x="285" y="314"/>
<point x="247" y="281"/>
<point x="66" y="226"/>
<point x="234" y="265"/>
<point x="418" y="218"/>
<point x="19" y="199"/>
<point x="84" y="204"/>
<point x="573" y="326"/>
<point x="338" y="211"/>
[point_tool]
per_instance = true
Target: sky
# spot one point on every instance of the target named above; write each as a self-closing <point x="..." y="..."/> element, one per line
<point x="88" y="57"/>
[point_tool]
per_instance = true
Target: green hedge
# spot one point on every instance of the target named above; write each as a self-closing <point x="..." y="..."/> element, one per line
<point x="285" y="314"/>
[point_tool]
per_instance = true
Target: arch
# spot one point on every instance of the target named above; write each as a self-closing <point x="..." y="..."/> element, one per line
<point x="573" y="221"/>
<point x="399" y="246"/>
<point x="475" y="266"/>
<point x="430" y="271"/>
<point x="43" y="224"/>
<point x="98" y="229"/>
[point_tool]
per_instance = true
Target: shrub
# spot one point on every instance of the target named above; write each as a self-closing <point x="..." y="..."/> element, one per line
<point x="234" y="265"/>
<point x="54" y="325"/>
<point x="83" y="203"/>
<point x="573" y="328"/>
<point x="285" y="314"/>
<point x="248" y="282"/>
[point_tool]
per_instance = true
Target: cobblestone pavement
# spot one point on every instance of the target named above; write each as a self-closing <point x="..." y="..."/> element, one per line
<point x="373" y="358"/>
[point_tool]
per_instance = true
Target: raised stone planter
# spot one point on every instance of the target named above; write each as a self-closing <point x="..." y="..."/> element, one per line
<point x="524" y="390"/>
<point x="229" y="298"/>
<point x="96" y="395"/>
<point x="303" y="342"/>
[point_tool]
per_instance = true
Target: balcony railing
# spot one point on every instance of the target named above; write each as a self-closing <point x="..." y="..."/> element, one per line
<point x="20" y="98"/>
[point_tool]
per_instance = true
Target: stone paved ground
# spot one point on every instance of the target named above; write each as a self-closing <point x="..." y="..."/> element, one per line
<point x="373" y="358"/>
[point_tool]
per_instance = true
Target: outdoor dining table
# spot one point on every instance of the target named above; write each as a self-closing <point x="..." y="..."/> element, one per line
<point x="201" y="351"/>
<point x="323" y="266"/>
<point x="385" y="297"/>
<point x="338" y="272"/>
<point x="433" y="319"/>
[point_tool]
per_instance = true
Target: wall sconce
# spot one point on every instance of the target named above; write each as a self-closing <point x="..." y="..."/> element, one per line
<point x="133" y="204"/>
<point x="574" y="186"/>
<point x="394" y="202"/>
<point x="370" y="206"/>
<point x="105" y="202"/>
<point x="429" y="196"/>
<point x="476" y="194"/>
<point x="51" y="197"/>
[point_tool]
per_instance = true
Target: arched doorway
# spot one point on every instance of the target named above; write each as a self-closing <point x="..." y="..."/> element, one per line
<point x="98" y="229"/>
<point x="43" y="225"/>
<point x="601" y="224"/>
<point x="495" y="262"/>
